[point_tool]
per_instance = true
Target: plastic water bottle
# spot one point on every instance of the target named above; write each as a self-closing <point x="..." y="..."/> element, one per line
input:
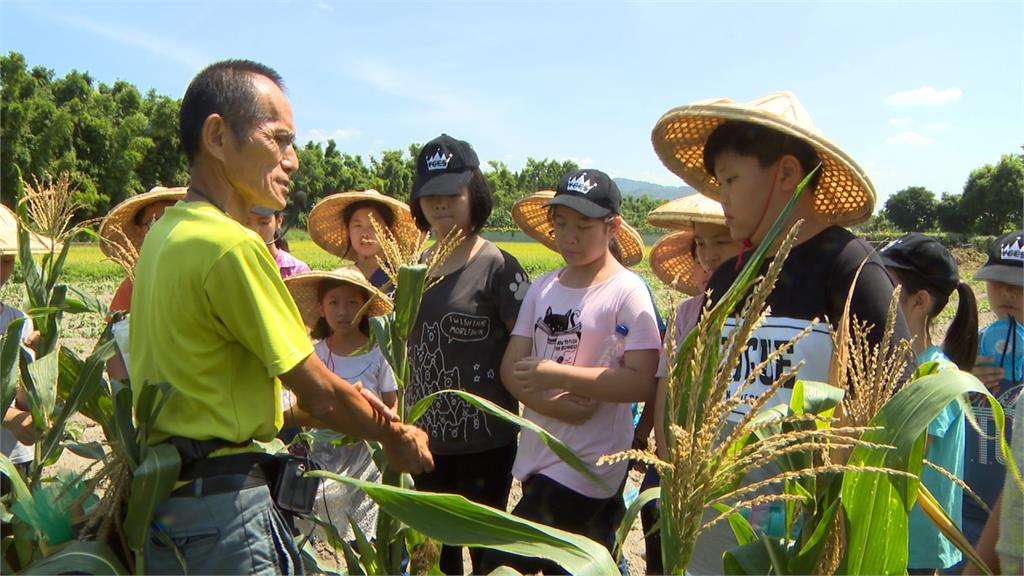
<point x="615" y="348"/>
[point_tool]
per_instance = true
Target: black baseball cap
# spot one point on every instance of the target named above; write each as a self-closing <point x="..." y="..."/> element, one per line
<point x="926" y="257"/>
<point x="1005" y="260"/>
<point x="589" y="192"/>
<point x="443" y="167"/>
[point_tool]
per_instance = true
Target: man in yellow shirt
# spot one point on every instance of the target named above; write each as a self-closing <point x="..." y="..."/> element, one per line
<point x="211" y="316"/>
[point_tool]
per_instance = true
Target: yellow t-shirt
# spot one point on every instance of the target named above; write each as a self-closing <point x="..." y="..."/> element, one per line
<point x="211" y="316"/>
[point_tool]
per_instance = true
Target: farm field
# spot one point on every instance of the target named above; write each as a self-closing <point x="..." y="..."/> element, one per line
<point x="88" y="269"/>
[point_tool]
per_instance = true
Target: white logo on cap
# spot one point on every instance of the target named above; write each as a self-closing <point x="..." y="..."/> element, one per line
<point x="438" y="161"/>
<point x="580" y="184"/>
<point x="1013" y="250"/>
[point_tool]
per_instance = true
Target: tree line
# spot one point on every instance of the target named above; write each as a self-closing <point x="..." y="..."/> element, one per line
<point x="116" y="142"/>
<point x="992" y="202"/>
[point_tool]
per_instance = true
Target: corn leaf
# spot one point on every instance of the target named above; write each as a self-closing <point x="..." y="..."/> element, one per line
<point x="457" y="521"/>
<point x="876" y="504"/>
<point x="152" y="482"/>
<point x="79" y="558"/>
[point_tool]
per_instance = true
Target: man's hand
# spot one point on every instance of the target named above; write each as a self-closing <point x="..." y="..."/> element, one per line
<point x="985" y="371"/>
<point x="20" y="424"/>
<point x="408" y="450"/>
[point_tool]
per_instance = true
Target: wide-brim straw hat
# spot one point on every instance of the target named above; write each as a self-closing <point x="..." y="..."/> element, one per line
<point x="39" y="244"/>
<point x="122" y="217"/>
<point x="683" y="213"/>
<point x="844" y="194"/>
<point x="305" y="288"/>
<point x="328" y="230"/>
<point x="530" y="213"/>
<point x="672" y="262"/>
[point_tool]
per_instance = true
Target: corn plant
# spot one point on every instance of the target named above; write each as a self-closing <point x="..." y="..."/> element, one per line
<point x="846" y="455"/>
<point x="58" y="522"/>
<point x="415" y="519"/>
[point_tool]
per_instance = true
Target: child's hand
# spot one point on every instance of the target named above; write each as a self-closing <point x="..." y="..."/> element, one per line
<point x="376" y="403"/>
<point x="988" y="374"/>
<point x="20" y="424"/>
<point x="535" y="374"/>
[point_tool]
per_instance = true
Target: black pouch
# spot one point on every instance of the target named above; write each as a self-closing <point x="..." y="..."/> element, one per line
<point x="290" y="489"/>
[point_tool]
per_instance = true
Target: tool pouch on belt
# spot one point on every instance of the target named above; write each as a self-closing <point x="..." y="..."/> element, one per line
<point x="290" y="490"/>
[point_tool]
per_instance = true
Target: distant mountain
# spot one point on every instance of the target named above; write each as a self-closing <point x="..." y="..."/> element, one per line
<point x="654" y="191"/>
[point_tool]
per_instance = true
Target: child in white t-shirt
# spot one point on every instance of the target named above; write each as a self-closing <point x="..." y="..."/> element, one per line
<point x="336" y="305"/>
<point x="558" y="365"/>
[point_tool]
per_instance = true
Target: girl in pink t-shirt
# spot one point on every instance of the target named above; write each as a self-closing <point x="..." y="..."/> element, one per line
<point x="557" y="361"/>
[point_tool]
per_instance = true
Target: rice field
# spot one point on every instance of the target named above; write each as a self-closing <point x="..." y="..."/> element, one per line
<point x="87" y="268"/>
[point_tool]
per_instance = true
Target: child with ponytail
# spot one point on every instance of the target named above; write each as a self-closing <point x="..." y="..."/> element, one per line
<point x="928" y="275"/>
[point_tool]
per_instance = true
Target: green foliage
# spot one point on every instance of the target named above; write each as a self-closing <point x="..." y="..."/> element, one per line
<point x="993" y="198"/>
<point x="911" y="209"/>
<point x="950" y="215"/>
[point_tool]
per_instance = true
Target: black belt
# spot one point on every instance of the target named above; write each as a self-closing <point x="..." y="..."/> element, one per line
<point x="201" y="487"/>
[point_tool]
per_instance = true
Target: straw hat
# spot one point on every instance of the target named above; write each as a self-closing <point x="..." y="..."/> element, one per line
<point x="530" y="213"/>
<point x="672" y="262"/>
<point x="328" y="230"/>
<point x="305" y="287"/>
<point x="9" y="236"/>
<point x="683" y="213"/>
<point x="123" y="215"/>
<point x="843" y="194"/>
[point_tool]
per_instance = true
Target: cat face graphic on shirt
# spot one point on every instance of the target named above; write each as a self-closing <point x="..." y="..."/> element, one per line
<point x="557" y="336"/>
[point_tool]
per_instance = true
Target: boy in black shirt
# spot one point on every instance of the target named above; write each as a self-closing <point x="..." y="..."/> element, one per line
<point x="751" y="158"/>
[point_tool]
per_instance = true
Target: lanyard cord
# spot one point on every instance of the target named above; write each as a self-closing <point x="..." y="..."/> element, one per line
<point x="1010" y="345"/>
<point x="206" y="197"/>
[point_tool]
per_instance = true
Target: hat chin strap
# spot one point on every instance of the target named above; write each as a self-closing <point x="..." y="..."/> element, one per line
<point x="747" y="244"/>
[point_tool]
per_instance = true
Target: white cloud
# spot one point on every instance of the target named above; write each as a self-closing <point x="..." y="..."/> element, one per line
<point x="909" y="139"/>
<point x="901" y="122"/>
<point x="936" y="127"/>
<point x="325" y="6"/>
<point x="172" y="49"/>
<point x="925" y="96"/>
<point x="581" y="162"/>
<point x="321" y="135"/>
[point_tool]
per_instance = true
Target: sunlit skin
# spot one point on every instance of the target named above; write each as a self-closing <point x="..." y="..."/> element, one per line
<point x="340" y="307"/>
<point x="266" y="227"/>
<point x="582" y="242"/>
<point x="238" y="172"/>
<point x="915" y="307"/>
<point x="251" y="169"/>
<point x="746" y="192"/>
<point x="714" y="245"/>
<point x="363" y="239"/>
<point x="1005" y="300"/>
<point x="445" y="213"/>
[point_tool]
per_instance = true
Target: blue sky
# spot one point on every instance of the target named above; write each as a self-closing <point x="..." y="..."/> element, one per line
<point x="919" y="93"/>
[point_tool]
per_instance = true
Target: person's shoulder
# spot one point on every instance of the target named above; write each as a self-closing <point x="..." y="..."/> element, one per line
<point x="841" y="245"/>
<point x="9" y="314"/>
<point x="494" y="255"/>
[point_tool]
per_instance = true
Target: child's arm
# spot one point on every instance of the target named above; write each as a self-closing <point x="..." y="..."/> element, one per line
<point x="634" y="382"/>
<point x="560" y="406"/>
<point x="390" y="399"/>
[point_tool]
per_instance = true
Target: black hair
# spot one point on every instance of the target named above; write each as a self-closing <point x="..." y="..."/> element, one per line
<point x="761" y="142"/>
<point x="322" y="329"/>
<point x="226" y="88"/>
<point x="382" y="209"/>
<point x="961" y="342"/>
<point x="481" y="202"/>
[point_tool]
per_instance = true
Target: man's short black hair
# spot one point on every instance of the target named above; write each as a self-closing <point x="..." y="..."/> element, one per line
<point x="761" y="142"/>
<point x="481" y="202"/>
<point x="226" y="88"/>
